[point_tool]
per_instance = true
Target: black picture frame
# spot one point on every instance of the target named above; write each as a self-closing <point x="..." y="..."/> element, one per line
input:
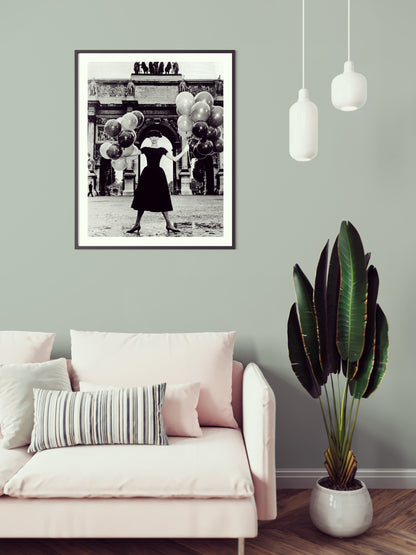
<point x="110" y="84"/>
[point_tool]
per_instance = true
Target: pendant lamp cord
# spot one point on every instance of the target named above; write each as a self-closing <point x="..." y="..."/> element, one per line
<point x="349" y="30"/>
<point x="303" y="44"/>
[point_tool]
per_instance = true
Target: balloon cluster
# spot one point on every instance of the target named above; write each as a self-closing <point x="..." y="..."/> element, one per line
<point x="200" y="121"/>
<point x="121" y="130"/>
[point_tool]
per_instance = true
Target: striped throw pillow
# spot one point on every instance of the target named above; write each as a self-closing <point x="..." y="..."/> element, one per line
<point x="118" y="416"/>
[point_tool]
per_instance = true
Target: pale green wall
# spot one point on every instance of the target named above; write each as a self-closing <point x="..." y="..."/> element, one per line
<point x="365" y="172"/>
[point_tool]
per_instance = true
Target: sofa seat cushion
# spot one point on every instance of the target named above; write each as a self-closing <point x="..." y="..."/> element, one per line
<point x="11" y="460"/>
<point x="214" y="465"/>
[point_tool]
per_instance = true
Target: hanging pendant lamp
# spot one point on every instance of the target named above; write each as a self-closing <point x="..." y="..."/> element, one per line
<point x="349" y="89"/>
<point x="303" y="117"/>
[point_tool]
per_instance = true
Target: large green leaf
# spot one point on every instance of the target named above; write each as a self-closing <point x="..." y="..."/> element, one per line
<point x="307" y="320"/>
<point x="299" y="359"/>
<point x="381" y="352"/>
<point x="332" y="295"/>
<point x="353" y="294"/>
<point x="349" y="369"/>
<point x="360" y="382"/>
<point x="319" y="301"/>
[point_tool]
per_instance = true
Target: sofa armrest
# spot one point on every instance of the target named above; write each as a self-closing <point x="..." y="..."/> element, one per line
<point x="259" y="413"/>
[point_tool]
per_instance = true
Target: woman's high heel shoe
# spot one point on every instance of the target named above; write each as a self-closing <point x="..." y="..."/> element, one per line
<point x="133" y="229"/>
<point x="174" y="229"/>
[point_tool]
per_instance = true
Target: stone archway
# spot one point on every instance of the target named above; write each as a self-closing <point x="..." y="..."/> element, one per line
<point x="154" y="95"/>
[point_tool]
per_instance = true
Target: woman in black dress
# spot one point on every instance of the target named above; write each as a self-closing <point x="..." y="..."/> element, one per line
<point x="152" y="191"/>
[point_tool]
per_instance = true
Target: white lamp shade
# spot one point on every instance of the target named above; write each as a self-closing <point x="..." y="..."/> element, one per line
<point x="303" y="128"/>
<point x="349" y="89"/>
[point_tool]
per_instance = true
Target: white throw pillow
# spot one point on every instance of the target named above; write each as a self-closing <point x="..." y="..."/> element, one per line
<point x="17" y="382"/>
<point x="129" y="359"/>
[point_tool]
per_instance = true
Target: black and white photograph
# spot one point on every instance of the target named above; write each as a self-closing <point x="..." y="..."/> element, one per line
<point x="154" y="149"/>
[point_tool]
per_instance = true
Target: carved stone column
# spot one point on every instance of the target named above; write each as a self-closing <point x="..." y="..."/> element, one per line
<point x="185" y="174"/>
<point x="129" y="178"/>
<point x="220" y="174"/>
<point x="91" y="135"/>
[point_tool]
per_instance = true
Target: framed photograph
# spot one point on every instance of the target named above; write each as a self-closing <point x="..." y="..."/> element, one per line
<point x="154" y="149"/>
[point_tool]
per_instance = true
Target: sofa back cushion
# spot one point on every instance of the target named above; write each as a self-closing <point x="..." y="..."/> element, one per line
<point x="25" y="346"/>
<point x="125" y="360"/>
<point x="236" y="399"/>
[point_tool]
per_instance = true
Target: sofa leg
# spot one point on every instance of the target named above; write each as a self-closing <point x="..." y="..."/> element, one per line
<point x="240" y="546"/>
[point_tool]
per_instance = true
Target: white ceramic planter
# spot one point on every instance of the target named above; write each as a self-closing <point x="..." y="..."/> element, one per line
<point x="342" y="514"/>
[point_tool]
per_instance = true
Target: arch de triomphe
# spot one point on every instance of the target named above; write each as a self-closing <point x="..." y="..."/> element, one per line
<point x="155" y="96"/>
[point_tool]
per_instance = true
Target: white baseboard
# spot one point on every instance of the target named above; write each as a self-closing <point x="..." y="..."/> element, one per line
<point x="380" y="478"/>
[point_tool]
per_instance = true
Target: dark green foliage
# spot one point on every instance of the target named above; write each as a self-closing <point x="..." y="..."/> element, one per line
<point x="337" y="319"/>
<point x="339" y="325"/>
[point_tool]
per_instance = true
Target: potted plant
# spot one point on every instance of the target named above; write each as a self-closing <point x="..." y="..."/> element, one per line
<point x="338" y="348"/>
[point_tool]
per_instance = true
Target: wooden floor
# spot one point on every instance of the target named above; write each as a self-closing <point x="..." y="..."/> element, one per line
<point x="393" y="532"/>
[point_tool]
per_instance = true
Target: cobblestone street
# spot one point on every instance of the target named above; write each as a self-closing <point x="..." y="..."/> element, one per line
<point x="194" y="216"/>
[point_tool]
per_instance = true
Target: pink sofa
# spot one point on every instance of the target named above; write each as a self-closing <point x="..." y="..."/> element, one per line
<point x="166" y="496"/>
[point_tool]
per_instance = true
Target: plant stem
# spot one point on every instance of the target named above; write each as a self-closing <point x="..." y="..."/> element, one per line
<point x="339" y="396"/>
<point x="334" y="400"/>
<point x="353" y="425"/>
<point x="343" y="406"/>
<point x="331" y="424"/>
<point x="347" y="428"/>
<point x="323" y="416"/>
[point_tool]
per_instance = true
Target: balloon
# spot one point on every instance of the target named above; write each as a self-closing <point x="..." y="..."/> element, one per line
<point x="129" y="121"/>
<point x="206" y="147"/>
<point x="103" y="150"/>
<point x="199" y="150"/>
<point x="185" y="134"/>
<point x="128" y="151"/>
<point x="114" y="151"/>
<point x="185" y="123"/>
<point x="205" y="96"/>
<point x="126" y="138"/>
<point x="140" y="117"/>
<point x="198" y="154"/>
<point x="184" y="102"/>
<point x="200" y="111"/>
<point x="219" y="145"/>
<point x="212" y="133"/>
<point x="120" y="164"/>
<point x="217" y="116"/>
<point x="200" y="129"/>
<point x="112" y="127"/>
<point x="192" y="142"/>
